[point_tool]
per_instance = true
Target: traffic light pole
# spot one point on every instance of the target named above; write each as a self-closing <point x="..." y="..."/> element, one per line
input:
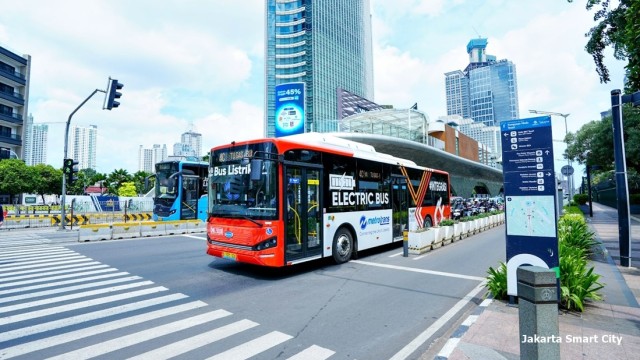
<point x="63" y="214"/>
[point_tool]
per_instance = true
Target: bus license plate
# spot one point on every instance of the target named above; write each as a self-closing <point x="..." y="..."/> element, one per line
<point x="228" y="255"/>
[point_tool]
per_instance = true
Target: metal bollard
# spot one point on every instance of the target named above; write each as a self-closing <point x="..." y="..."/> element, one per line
<point x="405" y="243"/>
<point x="538" y="313"/>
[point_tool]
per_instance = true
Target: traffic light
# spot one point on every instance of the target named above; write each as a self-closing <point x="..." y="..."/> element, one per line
<point x="113" y="94"/>
<point x="70" y="170"/>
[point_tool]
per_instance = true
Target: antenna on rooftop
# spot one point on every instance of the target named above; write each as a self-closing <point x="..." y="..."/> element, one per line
<point x="477" y="33"/>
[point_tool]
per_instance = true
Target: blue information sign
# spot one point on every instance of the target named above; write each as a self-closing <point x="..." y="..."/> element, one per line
<point x="530" y="196"/>
<point x="290" y="109"/>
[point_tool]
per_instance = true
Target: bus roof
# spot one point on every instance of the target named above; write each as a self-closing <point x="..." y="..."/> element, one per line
<point x="333" y="144"/>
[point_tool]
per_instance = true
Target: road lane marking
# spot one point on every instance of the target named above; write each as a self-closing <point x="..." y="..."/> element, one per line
<point x="122" y="342"/>
<point x="253" y="347"/>
<point x="422" y="338"/>
<point x="12" y="281"/>
<point x="313" y="352"/>
<point x="78" y="319"/>
<point x="40" y="263"/>
<point x="79" y="305"/>
<point x="72" y="288"/>
<point x="423" y="271"/>
<point x="23" y="274"/>
<point x="197" y="341"/>
<point x="81" y="295"/>
<point x="52" y="341"/>
<point x="58" y="283"/>
<point x="48" y="264"/>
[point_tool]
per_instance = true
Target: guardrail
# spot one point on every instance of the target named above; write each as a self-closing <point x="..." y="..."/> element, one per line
<point x="50" y="220"/>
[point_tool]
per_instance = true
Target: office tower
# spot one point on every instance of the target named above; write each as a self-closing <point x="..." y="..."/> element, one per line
<point x="35" y="140"/>
<point x="313" y="48"/>
<point x="84" y="146"/>
<point x="485" y="91"/>
<point x="194" y="140"/>
<point x="14" y="101"/>
<point x="183" y="150"/>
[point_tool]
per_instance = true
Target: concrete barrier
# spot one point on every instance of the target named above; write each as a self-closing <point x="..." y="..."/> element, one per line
<point x="196" y="226"/>
<point x="175" y="227"/>
<point x="125" y="230"/>
<point x="152" y="228"/>
<point x="94" y="232"/>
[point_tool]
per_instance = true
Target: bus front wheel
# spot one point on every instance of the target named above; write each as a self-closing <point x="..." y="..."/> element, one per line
<point x="428" y="222"/>
<point x="342" y="246"/>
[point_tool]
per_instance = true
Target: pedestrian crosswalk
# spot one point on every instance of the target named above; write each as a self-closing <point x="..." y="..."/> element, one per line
<point x="58" y="304"/>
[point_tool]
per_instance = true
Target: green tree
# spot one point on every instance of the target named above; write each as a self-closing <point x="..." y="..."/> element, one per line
<point x="592" y="144"/>
<point x="127" y="189"/>
<point x="139" y="181"/>
<point x="16" y="178"/>
<point x="48" y="180"/>
<point x="618" y="28"/>
<point x="115" y="180"/>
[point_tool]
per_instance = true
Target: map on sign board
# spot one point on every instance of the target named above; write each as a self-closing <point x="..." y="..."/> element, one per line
<point x="530" y="216"/>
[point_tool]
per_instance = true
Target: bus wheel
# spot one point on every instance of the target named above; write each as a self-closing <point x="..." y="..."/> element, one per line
<point x="427" y="222"/>
<point x="342" y="246"/>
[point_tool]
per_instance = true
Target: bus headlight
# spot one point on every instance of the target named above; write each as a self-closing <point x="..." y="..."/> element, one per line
<point x="267" y="244"/>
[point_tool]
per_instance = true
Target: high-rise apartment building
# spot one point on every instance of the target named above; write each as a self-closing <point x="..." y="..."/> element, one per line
<point x="14" y="100"/>
<point x="35" y="140"/>
<point x="486" y="91"/>
<point x="84" y="146"/>
<point x="322" y="46"/>
<point x="147" y="158"/>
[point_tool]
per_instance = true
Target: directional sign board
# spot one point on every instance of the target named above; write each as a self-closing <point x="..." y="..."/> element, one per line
<point x="530" y="196"/>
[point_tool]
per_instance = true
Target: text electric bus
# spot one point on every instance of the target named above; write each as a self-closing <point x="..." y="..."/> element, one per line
<point x="278" y="202"/>
<point x="180" y="190"/>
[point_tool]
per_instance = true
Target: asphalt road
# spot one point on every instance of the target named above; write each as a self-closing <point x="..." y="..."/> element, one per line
<point x="164" y="296"/>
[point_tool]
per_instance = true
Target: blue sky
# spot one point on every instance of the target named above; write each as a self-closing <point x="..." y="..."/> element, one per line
<point x="201" y="63"/>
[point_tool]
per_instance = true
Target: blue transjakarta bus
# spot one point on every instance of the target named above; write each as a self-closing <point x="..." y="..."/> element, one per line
<point x="180" y="190"/>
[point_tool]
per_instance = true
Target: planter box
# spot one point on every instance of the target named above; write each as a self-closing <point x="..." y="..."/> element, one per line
<point x="457" y="232"/>
<point x="447" y="234"/>
<point x="438" y="237"/>
<point x="464" y="229"/>
<point x="473" y="227"/>
<point x="420" y="242"/>
<point x="484" y="223"/>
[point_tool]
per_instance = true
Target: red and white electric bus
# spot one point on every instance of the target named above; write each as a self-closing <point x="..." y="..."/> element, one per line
<point x="281" y="201"/>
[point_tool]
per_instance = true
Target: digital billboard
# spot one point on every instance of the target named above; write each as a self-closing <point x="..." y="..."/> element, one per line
<point x="290" y="109"/>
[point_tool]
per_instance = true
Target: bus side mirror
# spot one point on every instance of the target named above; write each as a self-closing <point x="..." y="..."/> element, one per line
<point x="256" y="169"/>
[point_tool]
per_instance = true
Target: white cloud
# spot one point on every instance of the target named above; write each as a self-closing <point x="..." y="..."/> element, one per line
<point x="202" y="62"/>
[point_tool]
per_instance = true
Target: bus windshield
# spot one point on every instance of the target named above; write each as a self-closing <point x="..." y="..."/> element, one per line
<point x="166" y="186"/>
<point x="232" y="193"/>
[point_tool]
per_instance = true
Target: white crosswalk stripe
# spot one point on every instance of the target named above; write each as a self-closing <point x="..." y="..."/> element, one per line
<point x="53" y="299"/>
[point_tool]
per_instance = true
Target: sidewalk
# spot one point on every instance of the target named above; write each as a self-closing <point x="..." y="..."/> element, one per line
<point x="608" y="329"/>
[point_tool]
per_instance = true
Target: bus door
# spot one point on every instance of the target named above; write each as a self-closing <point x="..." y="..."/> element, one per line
<point x="400" y="205"/>
<point x="303" y="212"/>
<point x="189" y="200"/>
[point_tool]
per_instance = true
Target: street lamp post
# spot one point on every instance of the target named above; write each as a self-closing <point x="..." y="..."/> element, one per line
<point x="622" y="191"/>
<point x="566" y="131"/>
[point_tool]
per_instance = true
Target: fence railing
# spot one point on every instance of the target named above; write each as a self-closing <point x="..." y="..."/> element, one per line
<point x="78" y="213"/>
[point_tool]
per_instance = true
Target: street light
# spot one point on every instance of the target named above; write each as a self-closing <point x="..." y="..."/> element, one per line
<point x="566" y="131"/>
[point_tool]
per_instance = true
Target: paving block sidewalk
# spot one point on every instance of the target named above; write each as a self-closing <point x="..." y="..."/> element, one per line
<point x="608" y="329"/>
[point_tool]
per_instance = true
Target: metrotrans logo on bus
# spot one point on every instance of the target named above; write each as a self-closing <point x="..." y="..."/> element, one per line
<point x="378" y="220"/>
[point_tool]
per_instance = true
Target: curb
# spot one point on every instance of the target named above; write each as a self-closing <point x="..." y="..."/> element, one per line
<point x="457" y="335"/>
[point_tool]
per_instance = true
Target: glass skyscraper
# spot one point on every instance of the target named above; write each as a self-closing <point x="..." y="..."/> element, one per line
<point x="325" y="45"/>
<point x="486" y="91"/>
